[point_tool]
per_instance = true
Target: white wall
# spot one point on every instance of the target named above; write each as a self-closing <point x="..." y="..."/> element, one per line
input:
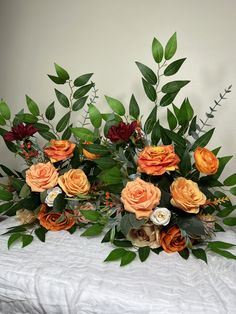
<point x="106" y="37"/>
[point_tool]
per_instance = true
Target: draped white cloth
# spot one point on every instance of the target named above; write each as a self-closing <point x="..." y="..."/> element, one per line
<point x="67" y="275"/>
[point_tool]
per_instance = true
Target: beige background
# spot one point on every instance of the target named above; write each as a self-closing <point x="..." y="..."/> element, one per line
<point x="106" y="37"/>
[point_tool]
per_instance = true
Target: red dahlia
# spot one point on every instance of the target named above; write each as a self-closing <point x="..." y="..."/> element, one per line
<point x="122" y="131"/>
<point x="19" y="132"/>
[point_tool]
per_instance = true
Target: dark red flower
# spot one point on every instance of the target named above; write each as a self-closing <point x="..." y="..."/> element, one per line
<point x="122" y="131"/>
<point x="19" y="132"/>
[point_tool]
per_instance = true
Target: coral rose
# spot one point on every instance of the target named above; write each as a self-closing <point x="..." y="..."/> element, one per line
<point x="59" y="150"/>
<point x="172" y="240"/>
<point x="146" y="235"/>
<point x="74" y="182"/>
<point x="205" y="161"/>
<point x="186" y="195"/>
<point x="89" y="155"/>
<point x="140" y="197"/>
<point x="51" y="221"/>
<point x="156" y="160"/>
<point x="41" y="177"/>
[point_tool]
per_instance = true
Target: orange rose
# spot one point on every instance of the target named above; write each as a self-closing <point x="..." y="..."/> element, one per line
<point x="186" y="195"/>
<point x="89" y="155"/>
<point x="205" y="161"/>
<point x="59" y="150"/>
<point x="74" y="182"/>
<point x="49" y="220"/>
<point x="140" y="197"/>
<point x="156" y="160"/>
<point x="41" y="177"/>
<point x="172" y="240"/>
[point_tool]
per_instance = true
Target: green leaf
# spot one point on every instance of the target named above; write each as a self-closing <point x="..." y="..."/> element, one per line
<point x="222" y="163"/>
<point x="56" y="79"/>
<point x="62" y="73"/>
<point x="2" y="121"/>
<point x="41" y="233"/>
<point x="226" y="211"/>
<point x="13" y="238"/>
<point x="224" y="253"/>
<point x="167" y="99"/>
<point x="116" y="105"/>
<point x="193" y="125"/>
<point x="95" y="116"/>
<point x="32" y="106"/>
<point x="231" y="180"/>
<point x="26" y="239"/>
<point x="5" y="195"/>
<point x="127" y="258"/>
<point x="230" y="221"/>
<point x="5" y="206"/>
<point x="91" y="215"/>
<point x="82" y="91"/>
<point x="200" y="254"/>
<point x="157" y="251"/>
<point x="111" y="176"/>
<point x="173" y="87"/>
<point x="63" y="122"/>
<point x="156" y="133"/>
<point x="122" y="243"/>
<point x="59" y="203"/>
<point x="128" y="222"/>
<point x="184" y="253"/>
<point x="185" y="112"/>
<point x="191" y="224"/>
<point x="63" y="100"/>
<point x="41" y="127"/>
<point x="48" y="135"/>
<point x="96" y="149"/>
<point x="17" y="184"/>
<point x="50" y="111"/>
<point x="8" y="171"/>
<point x="176" y="138"/>
<point x="83" y="134"/>
<point x="79" y="104"/>
<point x="27" y="118"/>
<point x="94" y="230"/>
<point x="105" y="162"/>
<point x="67" y="133"/>
<point x="147" y="73"/>
<point x="134" y="108"/>
<point x="218" y="228"/>
<point x="82" y="80"/>
<point x="115" y="255"/>
<point x="149" y="90"/>
<point x="185" y="163"/>
<point x="157" y="50"/>
<point x="173" y="67"/>
<point x="172" y="121"/>
<point x="5" y="110"/>
<point x="203" y="140"/>
<point x="171" y="47"/>
<point x="220" y="245"/>
<point x="151" y="120"/>
<point x="43" y="196"/>
<point x="216" y="150"/>
<point x="143" y="253"/>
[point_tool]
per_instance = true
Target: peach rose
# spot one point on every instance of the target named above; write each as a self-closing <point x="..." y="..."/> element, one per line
<point x="146" y="235"/>
<point x="205" y="161"/>
<point x="59" y="150"/>
<point x="51" y="221"/>
<point x="41" y="177"/>
<point x="140" y="197"/>
<point x="74" y="182"/>
<point x="186" y="195"/>
<point x="156" y="160"/>
<point x="89" y="155"/>
<point x="172" y="240"/>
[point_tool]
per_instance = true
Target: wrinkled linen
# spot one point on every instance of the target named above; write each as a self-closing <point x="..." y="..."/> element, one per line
<point x="66" y="275"/>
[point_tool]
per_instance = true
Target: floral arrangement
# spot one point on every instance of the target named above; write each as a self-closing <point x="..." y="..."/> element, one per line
<point x="146" y="187"/>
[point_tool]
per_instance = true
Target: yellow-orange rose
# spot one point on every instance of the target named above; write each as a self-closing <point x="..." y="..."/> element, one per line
<point x="205" y="161"/>
<point x="74" y="182"/>
<point x="172" y="240"/>
<point x="41" y="177"/>
<point x="146" y="235"/>
<point x="140" y="197"/>
<point x="186" y="195"/>
<point x="89" y="155"/>
<point x="59" y="150"/>
<point x="156" y="160"/>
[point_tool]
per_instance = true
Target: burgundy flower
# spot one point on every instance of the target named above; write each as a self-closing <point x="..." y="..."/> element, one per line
<point x="122" y="131"/>
<point x="19" y="132"/>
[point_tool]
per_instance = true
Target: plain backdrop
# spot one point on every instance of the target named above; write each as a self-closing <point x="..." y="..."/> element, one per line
<point x="106" y="37"/>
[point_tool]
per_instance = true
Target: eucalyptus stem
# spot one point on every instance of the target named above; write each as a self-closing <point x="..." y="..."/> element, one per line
<point x="158" y="80"/>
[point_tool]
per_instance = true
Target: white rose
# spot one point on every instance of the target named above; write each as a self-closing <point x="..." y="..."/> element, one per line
<point x="160" y="216"/>
<point x="52" y="194"/>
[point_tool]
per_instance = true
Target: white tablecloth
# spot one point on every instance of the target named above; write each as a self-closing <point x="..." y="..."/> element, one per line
<point x="67" y="275"/>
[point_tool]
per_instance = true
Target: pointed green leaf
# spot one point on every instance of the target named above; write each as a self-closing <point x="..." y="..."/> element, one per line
<point x="151" y="120"/>
<point x="96" y="149"/>
<point x="200" y="254"/>
<point x="122" y="243"/>
<point x="231" y="180"/>
<point x="156" y="133"/>
<point x="94" y="230"/>
<point x="48" y="135"/>
<point x="63" y="100"/>
<point x="222" y="163"/>
<point x="5" y="195"/>
<point x="111" y="176"/>
<point x="62" y="73"/>
<point x="56" y="79"/>
<point x="172" y="121"/>
<point x="127" y="258"/>
<point x="157" y="50"/>
<point x="115" y="255"/>
<point x="79" y="104"/>
<point x="134" y="108"/>
<point x="82" y="91"/>
<point x="116" y="105"/>
<point x="220" y="245"/>
<point x="83" y="134"/>
<point x="149" y="90"/>
<point x="167" y="99"/>
<point x="26" y="239"/>
<point x="224" y="253"/>
<point x="143" y="253"/>
<point x="173" y="67"/>
<point x="27" y="118"/>
<point x="13" y="238"/>
<point x="173" y="87"/>
<point x="41" y="233"/>
<point x="230" y="221"/>
<point x="62" y="124"/>
<point x="82" y="80"/>
<point x="2" y="121"/>
<point x="5" y="110"/>
<point x="59" y="203"/>
<point x="171" y="47"/>
<point x="41" y="127"/>
<point x="226" y="211"/>
<point x="203" y="140"/>
<point x="184" y="253"/>
<point x="95" y="116"/>
<point x="91" y="215"/>
<point x="50" y="111"/>
<point x="32" y="106"/>
<point x="147" y="73"/>
<point x="67" y="133"/>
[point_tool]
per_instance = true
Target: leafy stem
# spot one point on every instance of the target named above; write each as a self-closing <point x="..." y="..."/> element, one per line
<point x="51" y="126"/>
<point x="92" y="101"/>
<point x="159" y="79"/>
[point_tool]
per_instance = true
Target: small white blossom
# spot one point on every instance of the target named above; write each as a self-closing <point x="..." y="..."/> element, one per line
<point x="52" y="194"/>
<point x="160" y="216"/>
